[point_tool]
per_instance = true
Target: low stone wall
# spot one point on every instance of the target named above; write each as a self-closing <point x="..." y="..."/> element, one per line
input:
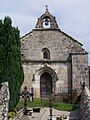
<point x="61" y="97"/>
<point x="4" y="100"/>
<point x="85" y="104"/>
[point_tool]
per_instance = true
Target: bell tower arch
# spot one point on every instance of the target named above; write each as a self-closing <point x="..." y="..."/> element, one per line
<point x="47" y="21"/>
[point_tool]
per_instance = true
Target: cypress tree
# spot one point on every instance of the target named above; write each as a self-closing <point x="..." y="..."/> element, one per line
<point x="12" y="66"/>
<point x="2" y="53"/>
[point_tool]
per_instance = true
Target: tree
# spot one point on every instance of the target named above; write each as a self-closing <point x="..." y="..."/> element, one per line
<point x="1" y="51"/>
<point x="10" y="59"/>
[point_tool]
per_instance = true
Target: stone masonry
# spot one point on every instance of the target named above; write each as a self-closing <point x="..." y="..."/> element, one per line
<point x="4" y="101"/>
<point x="67" y="63"/>
<point x="85" y="104"/>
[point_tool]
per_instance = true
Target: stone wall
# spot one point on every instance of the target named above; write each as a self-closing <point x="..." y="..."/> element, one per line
<point x="79" y="71"/>
<point x="35" y="69"/>
<point x="85" y="104"/>
<point x="4" y="101"/>
<point x="58" y="43"/>
<point x="69" y="74"/>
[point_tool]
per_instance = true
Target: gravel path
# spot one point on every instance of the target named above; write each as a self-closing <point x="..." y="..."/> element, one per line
<point x="44" y="115"/>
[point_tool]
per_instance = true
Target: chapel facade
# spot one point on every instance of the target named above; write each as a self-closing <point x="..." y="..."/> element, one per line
<point x="53" y="62"/>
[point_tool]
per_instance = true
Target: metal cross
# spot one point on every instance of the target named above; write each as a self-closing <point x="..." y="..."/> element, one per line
<point x="46" y="7"/>
<point x="51" y="105"/>
<point x="26" y="95"/>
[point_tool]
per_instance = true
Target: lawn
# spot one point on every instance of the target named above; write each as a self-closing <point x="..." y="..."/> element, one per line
<point x="46" y="103"/>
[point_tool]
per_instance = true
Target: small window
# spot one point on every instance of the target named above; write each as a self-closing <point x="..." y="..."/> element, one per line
<point x="46" y="53"/>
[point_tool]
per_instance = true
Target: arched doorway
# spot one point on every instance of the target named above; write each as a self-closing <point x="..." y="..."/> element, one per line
<point x="45" y="85"/>
<point x="38" y="85"/>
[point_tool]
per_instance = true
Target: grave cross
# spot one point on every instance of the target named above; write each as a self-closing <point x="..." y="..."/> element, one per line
<point x="26" y="95"/>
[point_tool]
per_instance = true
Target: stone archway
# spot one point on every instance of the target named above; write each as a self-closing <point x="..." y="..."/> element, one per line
<point x="50" y="75"/>
<point x="45" y="85"/>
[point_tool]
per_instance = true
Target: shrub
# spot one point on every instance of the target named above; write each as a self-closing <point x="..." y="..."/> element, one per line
<point x="11" y="115"/>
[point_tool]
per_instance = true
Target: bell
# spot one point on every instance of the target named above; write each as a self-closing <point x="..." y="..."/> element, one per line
<point x="46" y="22"/>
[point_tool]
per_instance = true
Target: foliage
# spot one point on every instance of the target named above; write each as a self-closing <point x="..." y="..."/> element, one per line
<point x="10" y="59"/>
<point x="11" y="115"/>
<point x="45" y="103"/>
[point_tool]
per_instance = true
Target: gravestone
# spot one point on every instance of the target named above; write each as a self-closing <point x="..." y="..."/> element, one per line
<point x="4" y="101"/>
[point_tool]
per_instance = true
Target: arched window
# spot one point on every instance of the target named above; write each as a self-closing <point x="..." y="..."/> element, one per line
<point x="46" y="53"/>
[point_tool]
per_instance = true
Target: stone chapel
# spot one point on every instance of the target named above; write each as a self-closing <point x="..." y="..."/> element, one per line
<point x="53" y="62"/>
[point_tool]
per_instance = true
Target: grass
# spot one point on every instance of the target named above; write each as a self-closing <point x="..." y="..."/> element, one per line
<point x="45" y="103"/>
<point x="65" y="106"/>
<point x="36" y="103"/>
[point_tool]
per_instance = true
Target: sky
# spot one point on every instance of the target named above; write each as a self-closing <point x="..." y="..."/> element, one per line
<point x="73" y="16"/>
